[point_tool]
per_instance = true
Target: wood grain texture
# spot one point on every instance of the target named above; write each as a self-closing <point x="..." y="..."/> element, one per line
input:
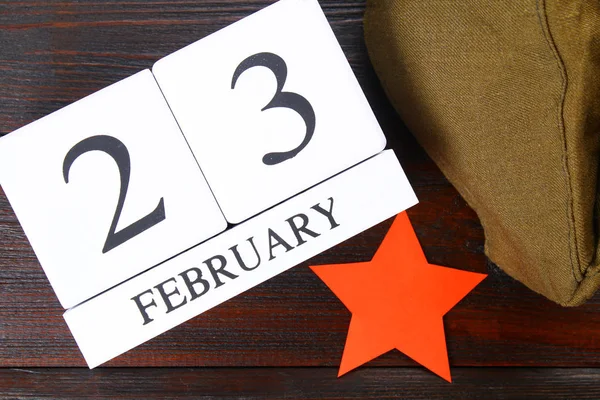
<point x="300" y="383"/>
<point x="56" y="52"/>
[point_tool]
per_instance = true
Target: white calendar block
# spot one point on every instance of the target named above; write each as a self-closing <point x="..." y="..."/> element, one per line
<point x="269" y="106"/>
<point x="107" y="188"/>
<point x="239" y="259"/>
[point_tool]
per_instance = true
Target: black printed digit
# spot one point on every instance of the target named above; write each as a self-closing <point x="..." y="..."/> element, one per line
<point x="117" y="150"/>
<point x="281" y="99"/>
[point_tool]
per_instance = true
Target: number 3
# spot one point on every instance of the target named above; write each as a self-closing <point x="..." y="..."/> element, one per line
<point x="117" y="150"/>
<point x="281" y="99"/>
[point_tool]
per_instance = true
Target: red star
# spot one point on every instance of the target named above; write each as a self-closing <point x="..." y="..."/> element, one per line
<point x="397" y="301"/>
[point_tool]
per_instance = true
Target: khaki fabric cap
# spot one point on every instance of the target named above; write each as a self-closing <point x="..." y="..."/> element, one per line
<point x="505" y="98"/>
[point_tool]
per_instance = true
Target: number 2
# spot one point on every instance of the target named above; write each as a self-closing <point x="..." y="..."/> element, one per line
<point x="117" y="150"/>
<point x="281" y="99"/>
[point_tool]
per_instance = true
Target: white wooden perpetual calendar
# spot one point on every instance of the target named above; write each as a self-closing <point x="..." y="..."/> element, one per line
<point x="261" y="124"/>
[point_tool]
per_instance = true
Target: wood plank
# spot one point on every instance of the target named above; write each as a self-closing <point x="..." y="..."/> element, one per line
<point x="55" y="52"/>
<point x="299" y="383"/>
<point x="294" y="320"/>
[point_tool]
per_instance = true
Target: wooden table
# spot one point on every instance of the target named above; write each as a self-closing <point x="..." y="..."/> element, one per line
<point x="283" y="338"/>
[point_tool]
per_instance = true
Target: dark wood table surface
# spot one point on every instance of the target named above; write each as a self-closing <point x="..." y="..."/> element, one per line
<point x="285" y="337"/>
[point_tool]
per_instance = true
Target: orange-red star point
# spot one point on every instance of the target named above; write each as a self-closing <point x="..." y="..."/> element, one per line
<point x="397" y="301"/>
